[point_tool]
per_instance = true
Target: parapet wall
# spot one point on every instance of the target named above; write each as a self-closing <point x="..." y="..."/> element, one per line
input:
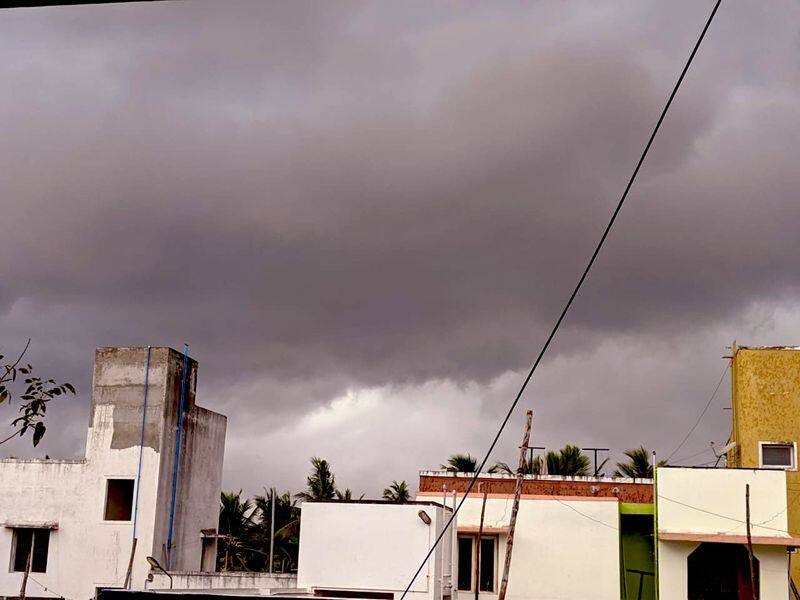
<point x="624" y="489"/>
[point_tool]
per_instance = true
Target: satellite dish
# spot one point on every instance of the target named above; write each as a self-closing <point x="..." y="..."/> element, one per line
<point x="724" y="450"/>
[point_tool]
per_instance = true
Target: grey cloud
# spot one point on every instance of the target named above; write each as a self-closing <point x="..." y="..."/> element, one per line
<point x="322" y="199"/>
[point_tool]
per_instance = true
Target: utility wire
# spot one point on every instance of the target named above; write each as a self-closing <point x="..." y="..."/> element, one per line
<point x="598" y="521"/>
<point x="46" y="589"/>
<point x="710" y="512"/>
<point x="702" y="414"/>
<point x="569" y="301"/>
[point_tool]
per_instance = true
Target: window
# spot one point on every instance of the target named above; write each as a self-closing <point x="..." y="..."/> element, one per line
<point x="465" y="562"/>
<point x="27" y="539"/>
<point x="119" y="500"/>
<point x="777" y="455"/>
<point x="468" y="555"/>
<point x="487" y="564"/>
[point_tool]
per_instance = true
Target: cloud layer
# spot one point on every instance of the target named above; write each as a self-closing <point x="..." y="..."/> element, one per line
<point x="364" y="218"/>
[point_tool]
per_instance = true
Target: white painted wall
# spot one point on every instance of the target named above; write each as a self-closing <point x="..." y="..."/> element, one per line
<point x="721" y="491"/>
<point x="563" y="549"/>
<point x="85" y="551"/>
<point x="687" y="501"/>
<point x="371" y="546"/>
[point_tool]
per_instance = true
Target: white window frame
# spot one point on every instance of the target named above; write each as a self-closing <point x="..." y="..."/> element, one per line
<point x="792" y="467"/>
<point x="475" y="542"/>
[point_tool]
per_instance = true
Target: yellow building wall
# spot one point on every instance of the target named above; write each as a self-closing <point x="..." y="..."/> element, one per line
<point x="766" y="408"/>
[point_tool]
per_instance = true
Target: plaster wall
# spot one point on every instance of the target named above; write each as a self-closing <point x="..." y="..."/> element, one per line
<point x="372" y="546"/>
<point x="239" y="581"/>
<point x="86" y="551"/>
<point x="765" y="391"/>
<point x="712" y="501"/>
<point x="563" y="548"/>
<point x="674" y="576"/>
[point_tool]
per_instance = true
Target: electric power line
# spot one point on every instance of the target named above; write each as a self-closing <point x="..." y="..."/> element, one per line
<point x="585" y="515"/>
<point x="569" y="301"/>
<point x="46" y="589"/>
<point x="702" y="414"/>
<point x="695" y="455"/>
<point x="710" y="512"/>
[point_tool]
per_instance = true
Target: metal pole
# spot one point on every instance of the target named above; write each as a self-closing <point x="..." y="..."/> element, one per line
<point x="453" y="544"/>
<point x="478" y="550"/>
<point x="272" y="531"/>
<point x="515" y="508"/>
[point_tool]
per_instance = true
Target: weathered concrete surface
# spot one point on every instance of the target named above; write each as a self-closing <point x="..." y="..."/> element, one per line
<point x="85" y="550"/>
<point x="625" y="490"/>
<point x="242" y="581"/>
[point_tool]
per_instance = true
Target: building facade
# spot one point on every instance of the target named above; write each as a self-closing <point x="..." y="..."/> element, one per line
<point x="372" y="549"/>
<point x="148" y="486"/>
<point x="576" y="537"/>
<point x="702" y="533"/>
<point x="765" y="402"/>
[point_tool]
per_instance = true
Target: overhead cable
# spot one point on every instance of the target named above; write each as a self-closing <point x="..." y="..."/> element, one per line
<point x="567" y="306"/>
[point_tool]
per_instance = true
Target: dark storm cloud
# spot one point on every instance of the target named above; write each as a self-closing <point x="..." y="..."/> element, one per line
<point x="323" y="198"/>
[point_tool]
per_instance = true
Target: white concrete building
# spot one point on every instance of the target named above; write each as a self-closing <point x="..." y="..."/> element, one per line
<point x="567" y="543"/>
<point x="702" y="533"/>
<point x="80" y="517"/>
<point x="371" y="549"/>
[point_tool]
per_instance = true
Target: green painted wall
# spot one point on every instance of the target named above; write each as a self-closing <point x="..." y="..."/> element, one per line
<point x="637" y="553"/>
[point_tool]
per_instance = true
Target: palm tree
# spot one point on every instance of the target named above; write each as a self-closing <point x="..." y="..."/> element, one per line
<point x="528" y="468"/>
<point x="461" y="463"/>
<point x="397" y="492"/>
<point x="638" y="464"/>
<point x="569" y="461"/>
<point x="234" y="522"/>
<point x="346" y="495"/>
<point x="320" y="483"/>
<point x="287" y="532"/>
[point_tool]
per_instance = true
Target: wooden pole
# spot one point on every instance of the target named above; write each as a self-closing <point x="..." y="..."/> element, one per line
<point x="515" y="507"/>
<point x="27" y="569"/>
<point x="128" y="573"/>
<point x="750" y="542"/>
<point x="478" y="550"/>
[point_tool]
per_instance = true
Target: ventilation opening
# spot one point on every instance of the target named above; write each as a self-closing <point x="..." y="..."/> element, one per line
<point x="119" y="500"/>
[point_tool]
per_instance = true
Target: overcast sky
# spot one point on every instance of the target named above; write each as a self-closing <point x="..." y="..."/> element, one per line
<point x="364" y="218"/>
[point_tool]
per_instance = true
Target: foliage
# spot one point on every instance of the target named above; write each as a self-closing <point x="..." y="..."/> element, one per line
<point x="37" y="394"/>
<point x="461" y="463"/>
<point x="569" y="461"/>
<point x="528" y="467"/>
<point x="638" y="464"/>
<point x="235" y="519"/>
<point x="321" y="483"/>
<point x="397" y="492"/>
<point x="244" y="527"/>
<point x="287" y="533"/>
<point x="346" y="495"/>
